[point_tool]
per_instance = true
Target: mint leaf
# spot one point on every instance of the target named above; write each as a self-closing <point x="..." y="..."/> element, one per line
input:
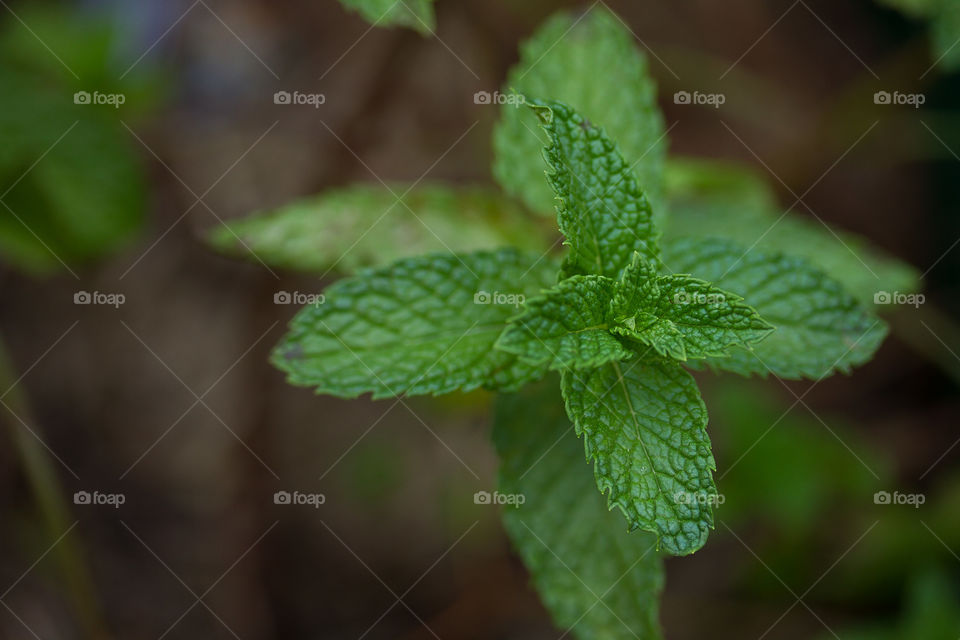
<point x="644" y="426"/>
<point x="710" y="199"/>
<point x="364" y="225"/>
<point x="593" y="576"/>
<point x="416" y="14"/>
<point x="682" y="317"/>
<point x="819" y="327"/>
<point x="601" y="208"/>
<point x="566" y="327"/>
<point x="592" y="62"/>
<point x="421" y="325"/>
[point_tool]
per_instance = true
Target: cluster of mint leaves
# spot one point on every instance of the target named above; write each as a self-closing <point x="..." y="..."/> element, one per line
<point x="611" y="328"/>
<point x="614" y="326"/>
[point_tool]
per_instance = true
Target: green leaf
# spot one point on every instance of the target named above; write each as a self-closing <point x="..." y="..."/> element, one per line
<point x="365" y="225"/>
<point x="644" y="426"/>
<point x="421" y="325"/>
<point x="682" y="317"/>
<point x="416" y="14"/>
<point x="712" y="199"/>
<point x="72" y="184"/>
<point x="592" y="575"/>
<point x="566" y="327"/>
<point x="591" y="62"/>
<point x="601" y="208"/>
<point x="819" y="327"/>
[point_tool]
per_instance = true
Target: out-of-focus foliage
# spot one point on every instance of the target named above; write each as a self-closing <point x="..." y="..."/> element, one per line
<point x="71" y="187"/>
<point x="711" y="199"/>
<point x="416" y="14"/>
<point x="931" y="610"/>
<point x="590" y="62"/>
<point x="944" y="18"/>
<point x="781" y="465"/>
<point x="370" y="224"/>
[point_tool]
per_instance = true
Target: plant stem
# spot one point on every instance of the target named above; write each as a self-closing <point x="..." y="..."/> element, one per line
<point x="49" y="498"/>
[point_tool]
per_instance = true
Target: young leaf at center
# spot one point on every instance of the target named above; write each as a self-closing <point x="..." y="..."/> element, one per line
<point x="680" y="316"/>
<point x="567" y="327"/>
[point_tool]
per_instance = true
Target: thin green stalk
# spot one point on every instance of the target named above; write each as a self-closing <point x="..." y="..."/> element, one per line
<point x="51" y="504"/>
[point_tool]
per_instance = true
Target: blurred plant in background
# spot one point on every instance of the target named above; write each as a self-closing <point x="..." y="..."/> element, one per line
<point x="72" y="190"/>
<point x="74" y="185"/>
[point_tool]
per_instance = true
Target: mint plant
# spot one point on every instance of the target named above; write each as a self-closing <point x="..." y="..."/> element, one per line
<point x="670" y="265"/>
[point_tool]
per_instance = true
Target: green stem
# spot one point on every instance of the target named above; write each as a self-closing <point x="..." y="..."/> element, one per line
<point x="48" y="494"/>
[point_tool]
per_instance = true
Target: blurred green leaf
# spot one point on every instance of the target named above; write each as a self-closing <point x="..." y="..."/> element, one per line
<point x="365" y="225"/>
<point x="71" y="183"/>
<point x="591" y="573"/>
<point x="590" y="62"/>
<point x="85" y="54"/>
<point x="931" y="611"/>
<point x="712" y="199"/>
<point x="416" y="14"/>
<point x="944" y="18"/>
<point x="783" y="466"/>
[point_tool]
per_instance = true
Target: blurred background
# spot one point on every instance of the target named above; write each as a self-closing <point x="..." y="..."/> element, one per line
<point x="159" y="402"/>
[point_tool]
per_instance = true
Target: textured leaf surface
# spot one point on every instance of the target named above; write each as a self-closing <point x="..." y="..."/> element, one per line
<point x="819" y="327"/>
<point x="421" y="325"/>
<point x="644" y="426"/>
<point x="711" y="199"/>
<point x="364" y="225"/>
<point x="592" y="575"/>
<point x="416" y="14"/>
<point x="591" y="62"/>
<point x="567" y="326"/>
<point x="682" y="317"/>
<point x="601" y="208"/>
